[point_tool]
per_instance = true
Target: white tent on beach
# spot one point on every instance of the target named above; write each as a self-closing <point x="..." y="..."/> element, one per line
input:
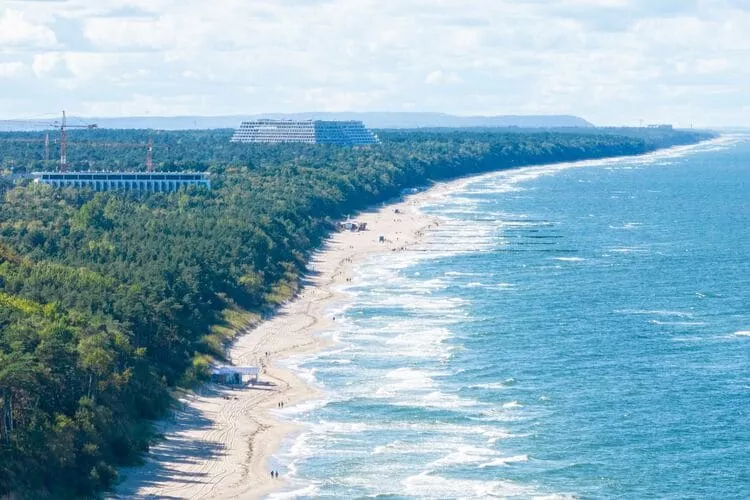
<point x="235" y="375"/>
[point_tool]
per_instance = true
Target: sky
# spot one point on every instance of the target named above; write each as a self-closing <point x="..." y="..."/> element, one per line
<point x="613" y="62"/>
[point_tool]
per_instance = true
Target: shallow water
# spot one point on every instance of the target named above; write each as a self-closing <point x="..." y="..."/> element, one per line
<point x="569" y="331"/>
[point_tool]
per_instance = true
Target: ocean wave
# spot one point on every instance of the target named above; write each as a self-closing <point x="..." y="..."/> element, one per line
<point x="340" y="361"/>
<point x="494" y="435"/>
<point x="475" y="284"/>
<point x="460" y="273"/>
<point x="505" y="181"/>
<point x="396" y="447"/>
<point x="490" y="386"/>
<point x="427" y="484"/>
<point x="677" y="323"/>
<point x="409" y="378"/>
<point x="426" y="342"/>
<point x="628" y="250"/>
<point x="502" y="415"/>
<point x="438" y="399"/>
<point x="309" y="491"/>
<point x="742" y="333"/>
<point x="628" y="225"/>
<point x="303" y="408"/>
<point x="492" y="286"/>
<point x="420" y="303"/>
<point x="464" y="455"/>
<point x="504" y="461"/>
<point x="656" y="312"/>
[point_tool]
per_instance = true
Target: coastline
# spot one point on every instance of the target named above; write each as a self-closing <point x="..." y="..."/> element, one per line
<point x="217" y="445"/>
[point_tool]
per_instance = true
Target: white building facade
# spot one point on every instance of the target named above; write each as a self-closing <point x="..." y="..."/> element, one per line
<point x="342" y="133"/>
<point x="161" y="182"/>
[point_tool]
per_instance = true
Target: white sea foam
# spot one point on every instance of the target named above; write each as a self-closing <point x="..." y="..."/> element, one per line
<point x="677" y="323"/>
<point x="494" y="435"/>
<point x="395" y="447"/>
<point x="420" y="303"/>
<point x="309" y="491"/>
<point x="475" y="284"/>
<point x="488" y="286"/>
<point x="501" y="415"/>
<point x="442" y="429"/>
<point x="464" y="455"/>
<point x="512" y="404"/>
<point x="429" y="485"/>
<point x="490" y="385"/>
<point x="301" y="446"/>
<point x="656" y="312"/>
<point x="437" y="399"/>
<point x="504" y="461"/>
<point x="628" y="249"/>
<point x="408" y="379"/>
<point x="308" y="406"/>
<point x="742" y="333"/>
<point x="570" y="259"/>
<point x="418" y="338"/>
<point x="628" y="225"/>
<point x="308" y="375"/>
<point x="340" y="361"/>
<point x="460" y="273"/>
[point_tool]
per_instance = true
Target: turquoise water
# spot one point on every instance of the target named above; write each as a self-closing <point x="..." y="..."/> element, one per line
<point x="568" y="331"/>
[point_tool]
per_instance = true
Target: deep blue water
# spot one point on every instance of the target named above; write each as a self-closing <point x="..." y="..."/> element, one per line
<point x="568" y="331"/>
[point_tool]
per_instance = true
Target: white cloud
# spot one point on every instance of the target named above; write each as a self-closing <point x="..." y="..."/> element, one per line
<point x="49" y="65"/>
<point x="608" y="60"/>
<point x="16" y="30"/>
<point x="12" y="69"/>
<point x="440" y="77"/>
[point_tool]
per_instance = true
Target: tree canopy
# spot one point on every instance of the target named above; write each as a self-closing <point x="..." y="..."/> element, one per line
<point x="109" y="300"/>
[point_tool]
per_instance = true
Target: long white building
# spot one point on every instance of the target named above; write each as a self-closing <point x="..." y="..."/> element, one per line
<point x="342" y="133"/>
<point x="125" y="181"/>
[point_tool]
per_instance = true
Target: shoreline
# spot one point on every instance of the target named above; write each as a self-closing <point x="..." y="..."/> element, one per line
<point x="218" y="444"/>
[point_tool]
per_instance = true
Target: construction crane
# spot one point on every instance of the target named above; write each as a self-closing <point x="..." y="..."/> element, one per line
<point x="45" y="140"/>
<point x="149" y="148"/>
<point x="64" y="140"/>
<point x="63" y="126"/>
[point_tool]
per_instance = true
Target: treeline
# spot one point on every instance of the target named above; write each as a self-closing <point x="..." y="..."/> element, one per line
<point x="112" y="149"/>
<point x="109" y="300"/>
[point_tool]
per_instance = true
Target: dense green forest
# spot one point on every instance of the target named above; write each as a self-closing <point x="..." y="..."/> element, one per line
<point x="110" y="300"/>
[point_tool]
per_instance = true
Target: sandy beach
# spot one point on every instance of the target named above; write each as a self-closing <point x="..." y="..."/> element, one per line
<point x="217" y="445"/>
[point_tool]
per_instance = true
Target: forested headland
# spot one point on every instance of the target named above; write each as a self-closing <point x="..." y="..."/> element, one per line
<point x="109" y="301"/>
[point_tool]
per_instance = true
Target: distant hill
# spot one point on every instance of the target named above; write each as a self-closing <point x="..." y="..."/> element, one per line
<point x="371" y="120"/>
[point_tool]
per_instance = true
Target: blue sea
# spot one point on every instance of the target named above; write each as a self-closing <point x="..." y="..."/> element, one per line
<point x="568" y="331"/>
